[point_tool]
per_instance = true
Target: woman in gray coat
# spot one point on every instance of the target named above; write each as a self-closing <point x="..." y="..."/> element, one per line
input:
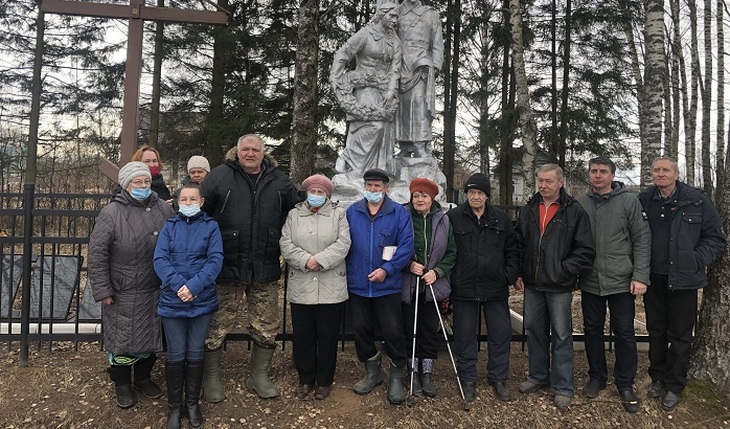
<point x="314" y="242"/>
<point x="122" y="277"/>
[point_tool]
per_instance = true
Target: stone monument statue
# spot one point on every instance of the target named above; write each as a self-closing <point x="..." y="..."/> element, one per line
<point x="389" y="97"/>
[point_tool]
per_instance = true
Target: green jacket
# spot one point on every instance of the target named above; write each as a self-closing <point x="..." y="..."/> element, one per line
<point x="623" y="242"/>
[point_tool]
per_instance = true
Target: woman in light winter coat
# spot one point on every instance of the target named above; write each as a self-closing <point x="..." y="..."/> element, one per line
<point x="314" y="242"/>
<point x="123" y="278"/>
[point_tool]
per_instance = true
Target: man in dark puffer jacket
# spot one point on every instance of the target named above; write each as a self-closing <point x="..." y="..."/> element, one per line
<point x="557" y="246"/>
<point x="249" y="198"/>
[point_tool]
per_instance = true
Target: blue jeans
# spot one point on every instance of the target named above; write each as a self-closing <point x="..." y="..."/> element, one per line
<point x="550" y="312"/>
<point x="185" y="337"/>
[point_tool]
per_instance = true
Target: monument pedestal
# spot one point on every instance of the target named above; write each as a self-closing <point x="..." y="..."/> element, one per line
<point x="349" y="187"/>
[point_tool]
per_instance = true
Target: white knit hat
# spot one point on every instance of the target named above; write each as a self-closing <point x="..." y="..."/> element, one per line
<point x="198" y="161"/>
<point x="130" y="171"/>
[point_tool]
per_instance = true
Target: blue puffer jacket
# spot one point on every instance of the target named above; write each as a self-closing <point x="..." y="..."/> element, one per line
<point x="390" y="227"/>
<point x="189" y="252"/>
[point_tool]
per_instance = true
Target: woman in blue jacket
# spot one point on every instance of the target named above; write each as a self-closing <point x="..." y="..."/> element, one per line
<point x="188" y="258"/>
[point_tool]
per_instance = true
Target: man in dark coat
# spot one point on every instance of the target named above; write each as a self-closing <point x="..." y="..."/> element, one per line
<point x="250" y="198"/>
<point x="686" y="236"/>
<point x="487" y="264"/>
<point x="557" y="246"/>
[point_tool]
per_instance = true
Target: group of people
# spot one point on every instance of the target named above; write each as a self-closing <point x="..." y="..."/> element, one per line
<point x="190" y="272"/>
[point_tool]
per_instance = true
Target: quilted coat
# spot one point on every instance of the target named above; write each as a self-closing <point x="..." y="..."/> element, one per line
<point x="121" y="249"/>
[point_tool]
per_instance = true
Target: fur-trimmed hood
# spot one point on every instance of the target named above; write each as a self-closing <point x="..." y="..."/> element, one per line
<point x="232" y="155"/>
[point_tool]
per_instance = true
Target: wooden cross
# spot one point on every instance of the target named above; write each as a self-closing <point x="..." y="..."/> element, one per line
<point x="136" y="12"/>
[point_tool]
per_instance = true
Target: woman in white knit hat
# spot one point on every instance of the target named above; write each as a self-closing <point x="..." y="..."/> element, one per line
<point x="198" y="169"/>
<point x="122" y="277"/>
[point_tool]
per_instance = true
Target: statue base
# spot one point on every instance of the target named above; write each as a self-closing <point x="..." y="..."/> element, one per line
<point x="350" y="187"/>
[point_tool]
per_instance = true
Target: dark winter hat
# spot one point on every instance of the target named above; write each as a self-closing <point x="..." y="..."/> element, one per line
<point x="376" y="174"/>
<point x="130" y="171"/>
<point x="478" y="181"/>
<point x="318" y="181"/>
<point x="420" y="184"/>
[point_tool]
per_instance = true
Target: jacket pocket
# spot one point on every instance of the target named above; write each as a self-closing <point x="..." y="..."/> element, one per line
<point x="230" y="241"/>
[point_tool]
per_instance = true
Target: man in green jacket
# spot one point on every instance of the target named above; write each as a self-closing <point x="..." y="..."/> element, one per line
<point x="620" y="273"/>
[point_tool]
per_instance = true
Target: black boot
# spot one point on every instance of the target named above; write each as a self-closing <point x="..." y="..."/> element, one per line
<point x="142" y="377"/>
<point x="373" y="376"/>
<point x="121" y="375"/>
<point x="396" y="393"/>
<point x="193" y="382"/>
<point x="175" y="379"/>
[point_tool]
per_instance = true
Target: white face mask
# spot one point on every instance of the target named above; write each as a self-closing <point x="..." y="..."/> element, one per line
<point x="189" y="210"/>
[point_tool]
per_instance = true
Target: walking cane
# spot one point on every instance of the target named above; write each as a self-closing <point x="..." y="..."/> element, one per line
<point x="411" y="399"/>
<point x="465" y="405"/>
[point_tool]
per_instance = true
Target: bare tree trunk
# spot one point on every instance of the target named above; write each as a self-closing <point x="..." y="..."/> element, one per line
<point x="157" y="80"/>
<point x="563" y="139"/>
<point x="526" y="121"/>
<point x="678" y="55"/>
<point x="707" y="102"/>
<point x="720" y="154"/>
<point x="710" y="359"/>
<point x="507" y="122"/>
<point x="484" y="134"/>
<point x="653" y="81"/>
<point x="628" y="28"/>
<point x="671" y="103"/>
<point x="31" y="163"/>
<point x="553" y="136"/>
<point x="214" y="147"/>
<point x="691" y="146"/>
<point x="451" y="98"/>
<point x="304" y="123"/>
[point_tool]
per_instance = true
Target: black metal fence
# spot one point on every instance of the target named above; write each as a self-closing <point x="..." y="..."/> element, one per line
<point x="44" y="293"/>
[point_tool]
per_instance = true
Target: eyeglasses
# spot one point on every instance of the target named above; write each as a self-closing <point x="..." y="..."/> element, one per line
<point x="138" y="182"/>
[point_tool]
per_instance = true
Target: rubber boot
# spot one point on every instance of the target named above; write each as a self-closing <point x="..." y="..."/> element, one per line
<point x="121" y="375"/>
<point x="212" y="387"/>
<point x="258" y="378"/>
<point x="396" y="393"/>
<point x="426" y="383"/>
<point x="143" y="377"/>
<point x="373" y="376"/>
<point x="193" y="381"/>
<point x="175" y="379"/>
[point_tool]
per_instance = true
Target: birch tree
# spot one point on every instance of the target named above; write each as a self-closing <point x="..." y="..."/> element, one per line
<point x="526" y="121"/>
<point x="707" y="100"/>
<point x="653" y="80"/>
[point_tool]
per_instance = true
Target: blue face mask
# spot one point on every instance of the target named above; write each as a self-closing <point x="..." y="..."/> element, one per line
<point x="315" y="200"/>
<point x="140" y="193"/>
<point x="373" y="197"/>
<point x="189" y="210"/>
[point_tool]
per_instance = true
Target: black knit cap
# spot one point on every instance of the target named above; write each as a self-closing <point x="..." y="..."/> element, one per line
<point x="478" y="181"/>
<point x="376" y="174"/>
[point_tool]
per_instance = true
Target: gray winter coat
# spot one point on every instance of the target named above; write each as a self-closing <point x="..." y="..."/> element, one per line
<point x="324" y="235"/>
<point x="623" y="242"/>
<point x="121" y="249"/>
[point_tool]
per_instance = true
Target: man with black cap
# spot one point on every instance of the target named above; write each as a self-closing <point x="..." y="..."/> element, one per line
<point x="382" y="246"/>
<point x="557" y="246"/>
<point x="487" y="264"/>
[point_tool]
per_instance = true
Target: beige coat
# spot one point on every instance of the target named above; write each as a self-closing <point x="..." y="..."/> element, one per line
<point x="324" y="235"/>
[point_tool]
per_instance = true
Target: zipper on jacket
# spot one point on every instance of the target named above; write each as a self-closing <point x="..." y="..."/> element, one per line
<point x="370" y="258"/>
<point x="425" y="247"/>
<point x="225" y="201"/>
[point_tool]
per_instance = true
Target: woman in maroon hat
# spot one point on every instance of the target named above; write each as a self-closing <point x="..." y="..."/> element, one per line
<point x="434" y="256"/>
<point x="314" y="242"/>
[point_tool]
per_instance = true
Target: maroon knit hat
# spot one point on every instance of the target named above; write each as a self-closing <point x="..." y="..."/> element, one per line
<point x="318" y="181"/>
<point x="420" y="184"/>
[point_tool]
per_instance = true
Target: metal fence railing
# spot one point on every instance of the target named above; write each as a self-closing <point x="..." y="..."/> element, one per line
<point x="44" y="294"/>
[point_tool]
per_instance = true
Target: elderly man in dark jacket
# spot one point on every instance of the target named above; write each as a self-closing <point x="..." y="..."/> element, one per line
<point x="686" y="237"/>
<point x="557" y="246"/>
<point x="250" y="198"/>
<point x="487" y="264"/>
<point x="620" y="273"/>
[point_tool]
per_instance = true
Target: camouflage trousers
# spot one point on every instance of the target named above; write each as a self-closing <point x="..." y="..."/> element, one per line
<point x="262" y="309"/>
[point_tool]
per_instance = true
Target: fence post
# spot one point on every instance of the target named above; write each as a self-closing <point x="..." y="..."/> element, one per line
<point x="28" y="202"/>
